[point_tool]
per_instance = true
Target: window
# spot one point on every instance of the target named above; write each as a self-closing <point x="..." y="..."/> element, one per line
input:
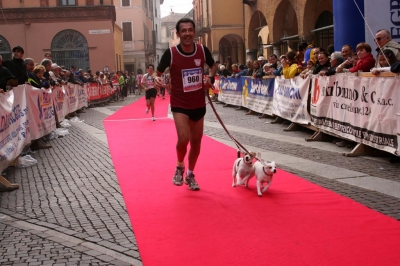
<point x="126" y="2"/>
<point x="67" y="2"/>
<point x="127" y="31"/>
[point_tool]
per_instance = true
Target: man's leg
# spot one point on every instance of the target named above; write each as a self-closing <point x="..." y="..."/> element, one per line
<point x="196" y="134"/>
<point x="152" y="107"/>
<point x="182" y="130"/>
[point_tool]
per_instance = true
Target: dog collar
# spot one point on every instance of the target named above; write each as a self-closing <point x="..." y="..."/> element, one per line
<point x="266" y="172"/>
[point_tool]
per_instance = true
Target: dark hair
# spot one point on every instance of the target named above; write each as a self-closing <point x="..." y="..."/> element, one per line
<point x="389" y="54"/>
<point x="348" y="45"/>
<point x="46" y="62"/>
<point x="150" y="65"/>
<point x="330" y="49"/>
<point x="274" y="55"/>
<point x="291" y="55"/>
<point x="324" y="53"/>
<point x="184" y="20"/>
<point x="241" y="67"/>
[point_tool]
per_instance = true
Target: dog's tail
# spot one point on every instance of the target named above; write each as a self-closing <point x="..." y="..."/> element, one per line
<point x="238" y="154"/>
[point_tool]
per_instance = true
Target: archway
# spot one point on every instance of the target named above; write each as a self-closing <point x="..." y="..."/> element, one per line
<point x="231" y="45"/>
<point x="285" y="28"/>
<point x="70" y="48"/>
<point x="5" y="49"/>
<point x="257" y="22"/>
<point x="324" y="30"/>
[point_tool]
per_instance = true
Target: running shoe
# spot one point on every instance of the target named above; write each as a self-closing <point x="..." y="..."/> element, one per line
<point x="153" y="118"/>
<point x="147" y="110"/>
<point x="177" y="180"/>
<point x="191" y="182"/>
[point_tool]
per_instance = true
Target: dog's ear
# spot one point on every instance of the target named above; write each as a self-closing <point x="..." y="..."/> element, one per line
<point x="258" y="155"/>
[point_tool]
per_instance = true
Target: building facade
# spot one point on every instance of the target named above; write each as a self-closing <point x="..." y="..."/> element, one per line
<point x="277" y="26"/>
<point x="77" y="33"/>
<point x="220" y="27"/>
<point x="168" y="31"/>
<point x="141" y="25"/>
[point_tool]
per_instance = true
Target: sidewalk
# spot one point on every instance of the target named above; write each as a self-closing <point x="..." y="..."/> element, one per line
<point x="69" y="209"/>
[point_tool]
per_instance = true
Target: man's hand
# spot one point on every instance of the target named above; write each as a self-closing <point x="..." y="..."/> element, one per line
<point x="209" y="83"/>
<point x="158" y="82"/>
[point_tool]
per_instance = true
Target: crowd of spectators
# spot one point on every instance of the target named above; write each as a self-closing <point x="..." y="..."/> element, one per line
<point x="317" y="61"/>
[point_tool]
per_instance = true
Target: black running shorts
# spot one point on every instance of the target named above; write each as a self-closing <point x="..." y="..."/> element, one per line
<point x="151" y="93"/>
<point x="193" y="114"/>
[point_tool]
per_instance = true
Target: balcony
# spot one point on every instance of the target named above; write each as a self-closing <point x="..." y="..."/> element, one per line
<point x="202" y="25"/>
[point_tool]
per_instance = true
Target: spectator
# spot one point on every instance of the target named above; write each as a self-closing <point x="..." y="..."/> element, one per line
<point x="139" y="77"/>
<point x="307" y="54"/>
<point x="38" y="80"/>
<point x="16" y="65"/>
<point x="383" y="40"/>
<point x="242" y="72"/>
<point x="47" y="65"/>
<point x="336" y="59"/>
<point x="261" y="61"/>
<point x="257" y="69"/>
<point x="314" y="55"/>
<point x="273" y="60"/>
<point x="330" y="49"/>
<point x="81" y="76"/>
<point x="289" y="65"/>
<point x="386" y="59"/>
<point x="30" y="66"/>
<point x="323" y="63"/>
<point x="249" y="65"/>
<point x="366" y="60"/>
<point x="347" y="52"/>
<point x="223" y="73"/>
<point x="7" y="79"/>
<point x="228" y="64"/>
<point x="47" y="56"/>
<point x="122" y="83"/>
<point x="308" y="70"/>
<point x="55" y="74"/>
<point x="235" y="70"/>
<point x="278" y="72"/>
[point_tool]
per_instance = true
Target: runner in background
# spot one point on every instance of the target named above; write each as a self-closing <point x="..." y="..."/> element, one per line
<point x="151" y="92"/>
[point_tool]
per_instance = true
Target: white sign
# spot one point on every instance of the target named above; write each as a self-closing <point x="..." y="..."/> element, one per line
<point x="99" y="31"/>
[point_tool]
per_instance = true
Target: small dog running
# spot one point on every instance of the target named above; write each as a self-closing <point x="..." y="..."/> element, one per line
<point x="264" y="172"/>
<point x="243" y="169"/>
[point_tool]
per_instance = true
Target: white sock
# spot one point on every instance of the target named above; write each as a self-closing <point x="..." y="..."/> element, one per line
<point x="189" y="172"/>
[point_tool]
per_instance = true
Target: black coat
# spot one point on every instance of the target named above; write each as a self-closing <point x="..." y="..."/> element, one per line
<point x="17" y="68"/>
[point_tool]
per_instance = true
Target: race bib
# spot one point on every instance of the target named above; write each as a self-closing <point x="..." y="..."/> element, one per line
<point x="192" y="79"/>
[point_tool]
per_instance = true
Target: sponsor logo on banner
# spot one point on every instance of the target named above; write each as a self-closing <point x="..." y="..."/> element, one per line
<point x="359" y="109"/>
<point x="45" y="106"/>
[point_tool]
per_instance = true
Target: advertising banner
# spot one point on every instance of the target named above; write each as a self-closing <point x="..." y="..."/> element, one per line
<point x="93" y="91"/>
<point x="290" y="99"/>
<point x="72" y="97"/>
<point x="59" y="99"/>
<point x="14" y="125"/>
<point x="258" y="94"/>
<point x="231" y="91"/>
<point x="359" y="109"/>
<point x="381" y="15"/>
<point x="41" y="111"/>
<point x="82" y="96"/>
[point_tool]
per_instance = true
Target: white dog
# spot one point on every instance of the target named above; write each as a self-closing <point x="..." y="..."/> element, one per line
<point x="243" y="170"/>
<point x="264" y="172"/>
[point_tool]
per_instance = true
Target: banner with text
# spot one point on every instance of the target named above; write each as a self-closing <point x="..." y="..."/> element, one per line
<point x="258" y="94"/>
<point x="231" y="91"/>
<point x="290" y="99"/>
<point x="41" y="111"/>
<point x="359" y="109"/>
<point x="14" y="125"/>
<point x="60" y="102"/>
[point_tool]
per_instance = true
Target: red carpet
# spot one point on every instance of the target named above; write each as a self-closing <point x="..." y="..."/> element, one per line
<point x="294" y="223"/>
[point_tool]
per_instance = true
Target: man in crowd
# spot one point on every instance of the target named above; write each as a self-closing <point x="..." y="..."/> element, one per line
<point x="16" y="65"/>
<point x="383" y="40"/>
<point x="7" y="79"/>
<point x="347" y="52"/>
<point x="187" y="96"/>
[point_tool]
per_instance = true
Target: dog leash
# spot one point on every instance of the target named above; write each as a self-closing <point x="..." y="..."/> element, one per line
<point x="240" y="147"/>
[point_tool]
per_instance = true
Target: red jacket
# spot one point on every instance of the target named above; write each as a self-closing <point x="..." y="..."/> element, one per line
<point x="364" y="64"/>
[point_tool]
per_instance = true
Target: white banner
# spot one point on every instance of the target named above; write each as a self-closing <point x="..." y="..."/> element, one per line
<point x="383" y="14"/>
<point x="82" y="96"/>
<point x="72" y="97"/>
<point x="41" y="111"/>
<point x="290" y="99"/>
<point x="359" y="109"/>
<point x="14" y="125"/>
<point x="60" y="102"/>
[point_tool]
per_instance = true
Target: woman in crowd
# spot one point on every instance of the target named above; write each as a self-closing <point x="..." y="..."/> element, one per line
<point x="38" y="80"/>
<point x="289" y="65"/>
<point x="386" y="59"/>
<point x="336" y="59"/>
<point x="308" y="70"/>
<point x="249" y="65"/>
<point x="365" y="63"/>
<point x="223" y="73"/>
<point x="235" y="70"/>
<point x="257" y="70"/>
<point x="323" y="63"/>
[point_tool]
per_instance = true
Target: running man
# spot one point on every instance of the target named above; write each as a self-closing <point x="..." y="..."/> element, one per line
<point x="151" y="92"/>
<point x="186" y="62"/>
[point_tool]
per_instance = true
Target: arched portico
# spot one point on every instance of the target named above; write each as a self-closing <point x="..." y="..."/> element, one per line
<point x="257" y="23"/>
<point x="5" y="48"/>
<point x="231" y="45"/>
